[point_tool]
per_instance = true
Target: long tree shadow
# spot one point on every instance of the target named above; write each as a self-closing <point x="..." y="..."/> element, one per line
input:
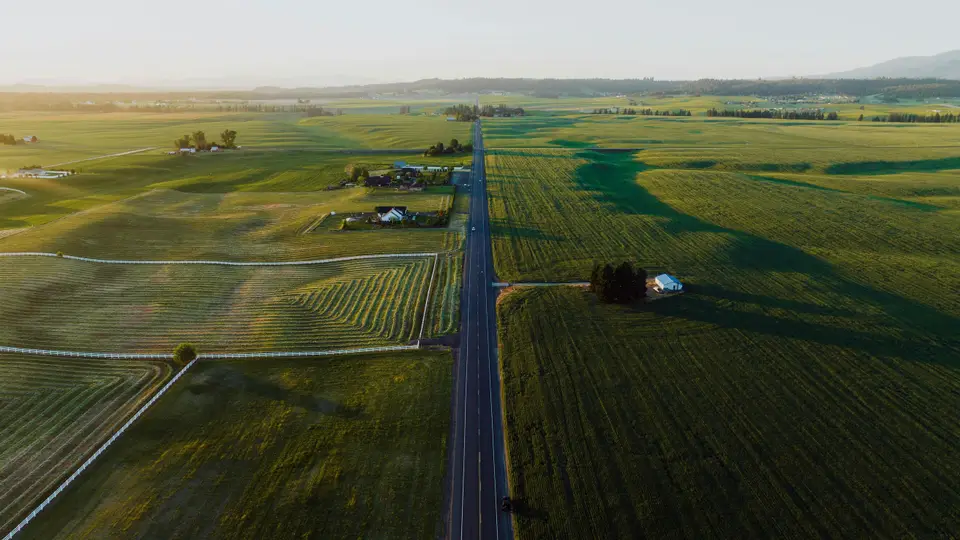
<point x="927" y="334"/>
<point x="894" y="167"/>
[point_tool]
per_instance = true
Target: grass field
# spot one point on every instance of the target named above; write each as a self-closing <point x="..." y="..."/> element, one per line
<point x="348" y="447"/>
<point x="54" y="412"/>
<point x="123" y="214"/>
<point x="713" y="134"/>
<point x="62" y="304"/>
<point x="686" y="419"/>
<point x="813" y="364"/>
<point x="73" y="136"/>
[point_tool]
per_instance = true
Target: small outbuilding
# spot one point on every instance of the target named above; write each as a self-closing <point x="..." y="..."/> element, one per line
<point x="667" y="283"/>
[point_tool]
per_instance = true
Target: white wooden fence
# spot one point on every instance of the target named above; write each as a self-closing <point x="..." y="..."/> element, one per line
<point x="220" y="263"/>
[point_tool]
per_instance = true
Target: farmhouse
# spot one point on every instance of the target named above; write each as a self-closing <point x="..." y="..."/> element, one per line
<point x="30" y="139"/>
<point x="392" y="213"/>
<point x="667" y="283"/>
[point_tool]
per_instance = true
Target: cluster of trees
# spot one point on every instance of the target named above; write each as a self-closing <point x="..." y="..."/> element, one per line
<point x="198" y="140"/>
<point x="463" y="113"/>
<point x="453" y="148"/>
<point x="470" y="113"/>
<point x="356" y="172"/>
<point x="315" y="110"/>
<point x="9" y="140"/>
<point x="935" y="118"/>
<point x="620" y="285"/>
<point x="643" y="112"/>
<point x="779" y="114"/>
<point x="490" y="111"/>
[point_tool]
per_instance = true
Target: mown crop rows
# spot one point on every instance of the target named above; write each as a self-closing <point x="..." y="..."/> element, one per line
<point x="54" y="412"/>
<point x="63" y="304"/>
<point x="444" y="316"/>
<point x="656" y="422"/>
<point x="350" y="447"/>
<point x="805" y="385"/>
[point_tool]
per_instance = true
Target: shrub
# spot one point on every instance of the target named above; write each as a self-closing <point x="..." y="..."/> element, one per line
<point x="184" y="353"/>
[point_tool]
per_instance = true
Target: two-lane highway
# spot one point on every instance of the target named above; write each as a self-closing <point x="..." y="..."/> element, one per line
<point x="479" y="475"/>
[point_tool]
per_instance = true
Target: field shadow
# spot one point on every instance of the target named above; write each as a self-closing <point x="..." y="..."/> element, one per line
<point x="901" y="202"/>
<point x="717" y="292"/>
<point x="874" y="168"/>
<point x="222" y="380"/>
<point x="611" y="180"/>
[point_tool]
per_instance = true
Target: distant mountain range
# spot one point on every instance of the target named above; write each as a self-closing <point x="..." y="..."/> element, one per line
<point x="940" y="66"/>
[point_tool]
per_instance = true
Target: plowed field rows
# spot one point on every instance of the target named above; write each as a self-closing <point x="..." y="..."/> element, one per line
<point x="63" y="304"/>
<point x="54" y="412"/>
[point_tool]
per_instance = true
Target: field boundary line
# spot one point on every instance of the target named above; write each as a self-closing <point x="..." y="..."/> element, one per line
<point x="13" y="189"/>
<point x="127" y="153"/>
<point x="66" y="483"/>
<point x="205" y="356"/>
<point x="220" y="263"/>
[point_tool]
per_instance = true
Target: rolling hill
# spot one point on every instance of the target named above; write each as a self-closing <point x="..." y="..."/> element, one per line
<point x="942" y="66"/>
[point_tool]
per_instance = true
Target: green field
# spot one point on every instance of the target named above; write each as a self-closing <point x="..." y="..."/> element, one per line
<point x="813" y="364"/>
<point x="65" y="137"/>
<point x="687" y="419"/>
<point x="54" y="412"/>
<point x="51" y="303"/>
<point x="347" y="447"/>
<point x="695" y="134"/>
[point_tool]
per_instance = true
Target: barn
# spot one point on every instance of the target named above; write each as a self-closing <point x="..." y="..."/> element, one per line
<point x="667" y="283"/>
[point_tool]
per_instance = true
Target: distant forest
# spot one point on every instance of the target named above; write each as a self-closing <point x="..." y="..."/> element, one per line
<point x="891" y="89"/>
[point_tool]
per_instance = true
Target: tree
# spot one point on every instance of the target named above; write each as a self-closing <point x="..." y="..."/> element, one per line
<point x="439" y="147"/>
<point x="860" y="119"/>
<point x="200" y="140"/>
<point x="455" y="144"/>
<point x="184" y="353"/>
<point x="229" y="138"/>
<point x="182" y="142"/>
<point x="622" y="285"/>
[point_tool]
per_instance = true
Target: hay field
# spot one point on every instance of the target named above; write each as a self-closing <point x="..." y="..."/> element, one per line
<point x="689" y="419"/>
<point x="54" y="412"/>
<point x="812" y="365"/>
<point x="52" y="303"/>
<point x="334" y="448"/>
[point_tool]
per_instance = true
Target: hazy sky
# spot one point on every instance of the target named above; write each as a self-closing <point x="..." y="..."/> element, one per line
<point x="287" y="42"/>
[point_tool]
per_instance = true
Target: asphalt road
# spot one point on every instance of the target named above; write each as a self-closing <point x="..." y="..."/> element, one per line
<point x="479" y="475"/>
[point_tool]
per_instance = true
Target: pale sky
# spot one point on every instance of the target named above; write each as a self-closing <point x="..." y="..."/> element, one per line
<point x="323" y="42"/>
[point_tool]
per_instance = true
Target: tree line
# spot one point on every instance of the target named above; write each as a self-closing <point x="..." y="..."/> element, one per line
<point x="936" y="118"/>
<point x="470" y="113"/>
<point x="9" y="140"/>
<point x="643" y="112"/>
<point x="316" y="110"/>
<point x="779" y="114"/>
<point x="453" y="148"/>
<point x="618" y="285"/>
<point x="198" y="140"/>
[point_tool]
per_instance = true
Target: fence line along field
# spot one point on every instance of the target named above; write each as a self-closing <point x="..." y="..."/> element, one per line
<point x="54" y="412"/>
<point x="348" y="447"/>
<point x="652" y="422"/>
<point x="53" y="303"/>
